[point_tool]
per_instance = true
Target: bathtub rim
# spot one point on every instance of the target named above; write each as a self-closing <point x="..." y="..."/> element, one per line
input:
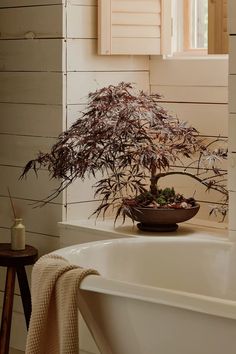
<point x="176" y="298"/>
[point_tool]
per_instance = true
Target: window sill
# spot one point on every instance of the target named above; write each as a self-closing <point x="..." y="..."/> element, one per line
<point x="195" y="56"/>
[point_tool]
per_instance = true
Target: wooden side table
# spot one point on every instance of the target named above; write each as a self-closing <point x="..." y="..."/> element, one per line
<point x="15" y="261"/>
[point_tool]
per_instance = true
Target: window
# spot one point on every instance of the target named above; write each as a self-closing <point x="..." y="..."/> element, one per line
<point x="200" y="26"/>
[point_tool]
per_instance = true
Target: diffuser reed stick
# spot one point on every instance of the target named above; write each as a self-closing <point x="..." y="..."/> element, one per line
<point x="12" y="205"/>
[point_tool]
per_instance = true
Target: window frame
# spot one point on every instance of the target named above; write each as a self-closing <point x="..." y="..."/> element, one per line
<point x="186" y="32"/>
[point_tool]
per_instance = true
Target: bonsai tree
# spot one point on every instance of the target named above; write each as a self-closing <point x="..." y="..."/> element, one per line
<point x="132" y="142"/>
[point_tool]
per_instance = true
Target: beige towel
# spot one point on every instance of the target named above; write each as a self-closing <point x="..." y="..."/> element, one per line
<point x="54" y="321"/>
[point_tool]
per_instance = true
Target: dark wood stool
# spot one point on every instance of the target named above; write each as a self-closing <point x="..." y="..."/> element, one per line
<point x="15" y="261"/>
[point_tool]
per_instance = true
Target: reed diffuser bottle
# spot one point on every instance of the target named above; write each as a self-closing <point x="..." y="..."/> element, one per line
<point x="18" y="235"/>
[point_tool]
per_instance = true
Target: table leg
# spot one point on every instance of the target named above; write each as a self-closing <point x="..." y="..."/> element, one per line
<point x="7" y="310"/>
<point x="25" y="293"/>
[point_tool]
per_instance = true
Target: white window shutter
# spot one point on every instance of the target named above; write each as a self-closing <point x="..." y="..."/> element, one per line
<point x="133" y="27"/>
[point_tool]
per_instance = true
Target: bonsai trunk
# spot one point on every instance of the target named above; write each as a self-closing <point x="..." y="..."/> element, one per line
<point x="153" y="184"/>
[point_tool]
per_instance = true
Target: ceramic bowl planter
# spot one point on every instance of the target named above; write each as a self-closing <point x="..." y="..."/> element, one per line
<point x="161" y="219"/>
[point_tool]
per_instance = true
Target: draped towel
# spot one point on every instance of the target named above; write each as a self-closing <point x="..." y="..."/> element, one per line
<point x="53" y="325"/>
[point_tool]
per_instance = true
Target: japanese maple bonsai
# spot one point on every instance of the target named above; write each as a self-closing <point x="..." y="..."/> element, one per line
<point x="129" y="139"/>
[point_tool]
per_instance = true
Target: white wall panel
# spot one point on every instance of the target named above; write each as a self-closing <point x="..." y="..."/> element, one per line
<point x="82" y="191"/>
<point x="189" y="72"/>
<point x="31" y="55"/>
<point x="82" y="56"/>
<point x="80" y="84"/>
<point x="31" y="119"/>
<point x="81" y="22"/>
<point x="18" y="150"/>
<point x="31" y="22"/>
<point x="197" y="94"/>
<point x="32" y="187"/>
<point x="17" y="3"/>
<point x="73" y="113"/>
<point x="208" y="119"/>
<point x="84" y="210"/>
<point x="38" y="220"/>
<point x="18" y="87"/>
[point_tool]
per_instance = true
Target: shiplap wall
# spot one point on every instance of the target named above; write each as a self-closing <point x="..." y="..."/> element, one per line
<point x="232" y="120"/>
<point x="197" y="91"/>
<point x="32" y="112"/>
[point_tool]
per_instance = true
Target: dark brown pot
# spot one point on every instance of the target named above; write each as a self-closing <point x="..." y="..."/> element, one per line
<point x="161" y="219"/>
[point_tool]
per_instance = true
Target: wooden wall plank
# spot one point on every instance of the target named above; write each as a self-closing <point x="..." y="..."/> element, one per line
<point x="73" y="113"/>
<point x="31" y="119"/>
<point x="82" y="191"/>
<point x="31" y="22"/>
<point x="20" y="87"/>
<point x="31" y="55"/>
<point x="20" y="3"/>
<point x="80" y="211"/>
<point x="82" y="56"/>
<point x="92" y="81"/>
<point x="201" y="94"/>
<point x="208" y="119"/>
<point x="77" y="27"/>
<point x="31" y="188"/>
<point x="189" y="72"/>
<point x="18" y="150"/>
<point x="38" y="220"/>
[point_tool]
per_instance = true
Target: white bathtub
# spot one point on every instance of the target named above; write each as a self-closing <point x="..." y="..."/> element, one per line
<point x="159" y="296"/>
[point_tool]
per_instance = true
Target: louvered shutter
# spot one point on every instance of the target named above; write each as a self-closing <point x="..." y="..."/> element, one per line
<point x="133" y="27"/>
<point x="217" y="27"/>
